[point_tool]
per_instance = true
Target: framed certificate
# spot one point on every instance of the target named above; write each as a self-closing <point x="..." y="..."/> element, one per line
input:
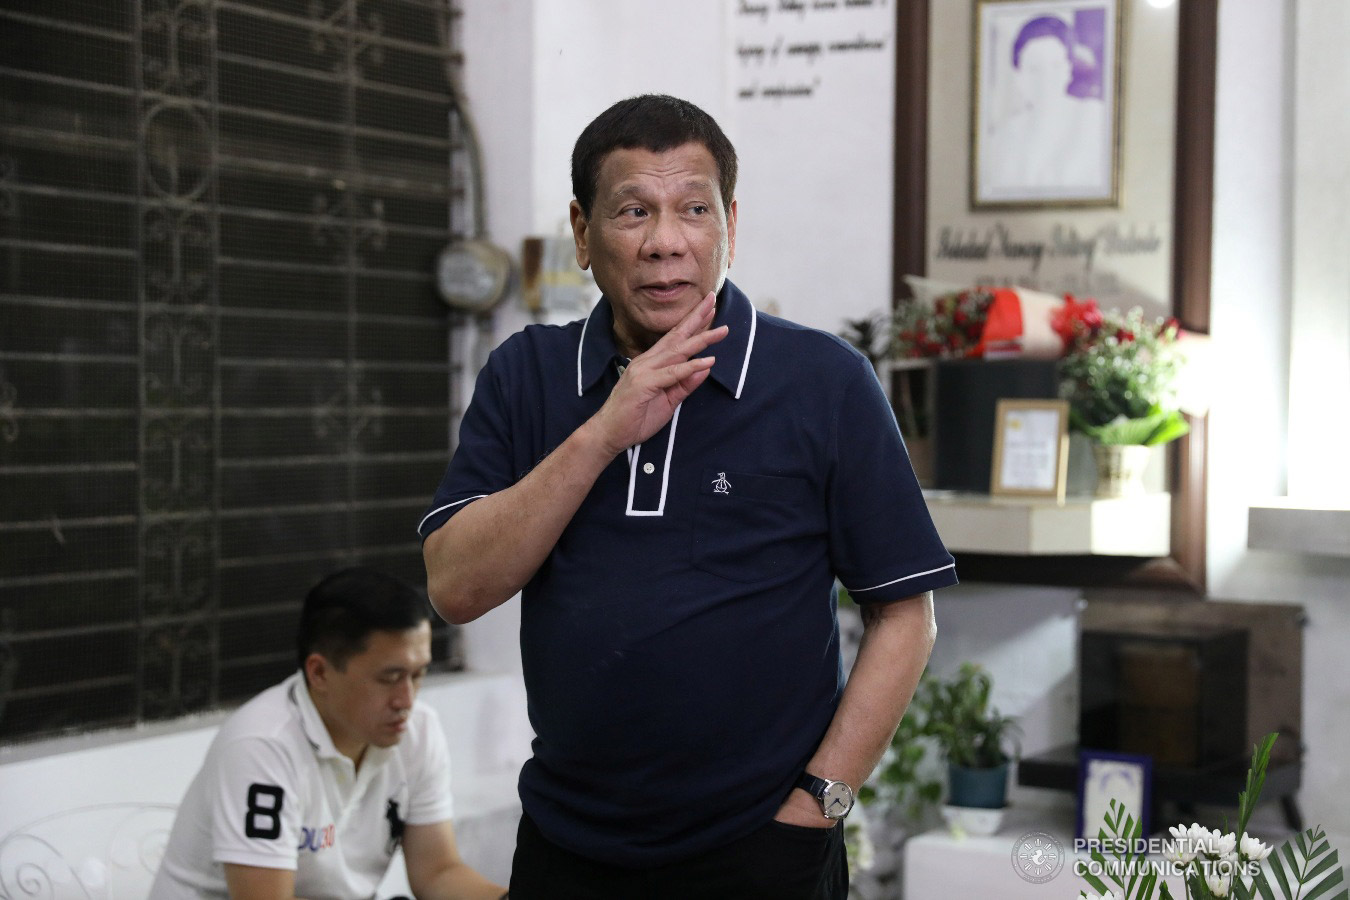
<point x="1031" y="448"/>
<point x="1103" y="777"/>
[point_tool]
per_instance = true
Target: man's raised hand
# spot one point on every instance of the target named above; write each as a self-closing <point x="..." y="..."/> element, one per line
<point x="658" y="380"/>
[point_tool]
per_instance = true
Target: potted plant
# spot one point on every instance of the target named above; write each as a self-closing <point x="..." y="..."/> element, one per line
<point x="972" y="736"/>
<point x="953" y="718"/>
<point x="1119" y="373"/>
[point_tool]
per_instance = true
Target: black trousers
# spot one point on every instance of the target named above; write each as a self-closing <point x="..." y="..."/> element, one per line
<point x="776" y="862"/>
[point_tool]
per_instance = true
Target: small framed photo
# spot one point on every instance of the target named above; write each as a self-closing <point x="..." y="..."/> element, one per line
<point x="1045" y="116"/>
<point x="1031" y="448"/>
<point x="1103" y="777"/>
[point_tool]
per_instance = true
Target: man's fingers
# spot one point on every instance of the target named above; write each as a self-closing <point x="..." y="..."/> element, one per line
<point x="693" y="380"/>
<point x="698" y="317"/>
<point x="704" y="339"/>
<point x="691" y="336"/>
<point x="695" y="320"/>
<point x="683" y="347"/>
<point x="667" y="377"/>
<point x="680" y="371"/>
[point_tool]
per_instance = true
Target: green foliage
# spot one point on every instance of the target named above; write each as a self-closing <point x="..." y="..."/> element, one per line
<point x="1305" y="868"/>
<point x="1119" y="375"/>
<point x="1157" y="427"/>
<point x="1118" y="831"/>
<point x="1256" y="780"/>
<point x="968" y="730"/>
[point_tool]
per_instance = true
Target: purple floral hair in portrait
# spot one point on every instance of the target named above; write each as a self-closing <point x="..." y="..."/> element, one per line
<point x="1084" y="44"/>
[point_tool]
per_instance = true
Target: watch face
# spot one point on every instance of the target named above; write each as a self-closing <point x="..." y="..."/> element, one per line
<point x="837" y="800"/>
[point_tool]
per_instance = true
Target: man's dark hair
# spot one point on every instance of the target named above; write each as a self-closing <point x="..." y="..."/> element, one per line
<point x="1043" y="26"/>
<point x="654" y="122"/>
<point x="343" y="609"/>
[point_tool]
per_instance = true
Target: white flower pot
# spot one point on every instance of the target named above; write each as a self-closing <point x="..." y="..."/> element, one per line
<point x="1120" y="469"/>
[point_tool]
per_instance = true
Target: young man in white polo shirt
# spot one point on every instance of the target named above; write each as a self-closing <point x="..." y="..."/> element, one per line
<point x="309" y="787"/>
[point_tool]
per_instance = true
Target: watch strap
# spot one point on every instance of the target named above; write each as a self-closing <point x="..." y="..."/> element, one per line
<point x="812" y="785"/>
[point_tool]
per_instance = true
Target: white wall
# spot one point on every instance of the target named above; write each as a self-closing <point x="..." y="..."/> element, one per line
<point x="814" y="231"/>
<point x="590" y="55"/>
<point x="816" y="170"/>
<point x="1320" y="317"/>
<point x="1259" y="98"/>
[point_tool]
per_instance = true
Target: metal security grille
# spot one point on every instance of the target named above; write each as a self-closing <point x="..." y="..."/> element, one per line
<point x="223" y="366"/>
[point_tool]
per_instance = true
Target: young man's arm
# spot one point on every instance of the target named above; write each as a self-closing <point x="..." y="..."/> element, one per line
<point x="486" y="552"/>
<point x="897" y="639"/>
<point x="257" y="883"/>
<point x="435" y="870"/>
<point x="255" y="816"/>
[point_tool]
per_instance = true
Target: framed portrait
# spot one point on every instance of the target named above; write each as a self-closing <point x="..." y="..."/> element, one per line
<point x="1103" y="777"/>
<point x="1045" y="115"/>
<point x="1031" y="448"/>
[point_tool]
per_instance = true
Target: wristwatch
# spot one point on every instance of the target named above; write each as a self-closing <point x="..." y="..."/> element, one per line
<point x="836" y="798"/>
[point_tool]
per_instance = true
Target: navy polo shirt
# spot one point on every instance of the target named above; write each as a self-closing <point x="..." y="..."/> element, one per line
<point x="680" y="643"/>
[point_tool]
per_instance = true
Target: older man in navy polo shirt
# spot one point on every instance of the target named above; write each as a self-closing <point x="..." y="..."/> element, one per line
<point x="676" y="546"/>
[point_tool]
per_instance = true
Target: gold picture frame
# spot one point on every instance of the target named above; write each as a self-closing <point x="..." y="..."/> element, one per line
<point x="1046" y="103"/>
<point x="1031" y="449"/>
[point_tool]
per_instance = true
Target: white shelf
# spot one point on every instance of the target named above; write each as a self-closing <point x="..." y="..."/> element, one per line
<point x="1294" y="526"/>
<point x="1102" y="526"/>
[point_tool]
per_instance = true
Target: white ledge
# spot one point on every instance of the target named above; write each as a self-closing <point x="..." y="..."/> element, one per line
<point x="1100" y="526"/>
<point x="1299" y="526"/>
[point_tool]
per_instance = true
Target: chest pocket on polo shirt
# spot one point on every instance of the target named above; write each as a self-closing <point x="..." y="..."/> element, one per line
<point x="755" y="527"/>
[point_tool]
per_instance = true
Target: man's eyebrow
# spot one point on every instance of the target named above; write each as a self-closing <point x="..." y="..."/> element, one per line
<point x="633" y="188"/>
<point x="397" y="669"/>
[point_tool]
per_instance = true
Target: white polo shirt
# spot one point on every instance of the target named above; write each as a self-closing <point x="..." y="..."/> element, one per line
<point x="275" y="793"/>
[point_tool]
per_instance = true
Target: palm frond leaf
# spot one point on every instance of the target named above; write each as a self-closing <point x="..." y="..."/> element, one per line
<point x="1256" y="780"/>
<point x="1121" y="829"/>
<point x="1306" y="861"/>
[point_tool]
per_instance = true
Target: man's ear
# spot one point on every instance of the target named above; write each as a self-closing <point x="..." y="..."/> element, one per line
<point x="317" y="670"/>
<point x="731" y="232"/>
<point x="580" y="226"/>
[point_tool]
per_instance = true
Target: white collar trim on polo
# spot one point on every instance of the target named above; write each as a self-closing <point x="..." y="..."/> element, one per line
<point x="316" y="732"/>
<point x="595" y="348"/>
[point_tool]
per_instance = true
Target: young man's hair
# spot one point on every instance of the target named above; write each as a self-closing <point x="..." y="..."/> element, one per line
<point x="343" y="609"/>
<point x="654" y="122"/>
